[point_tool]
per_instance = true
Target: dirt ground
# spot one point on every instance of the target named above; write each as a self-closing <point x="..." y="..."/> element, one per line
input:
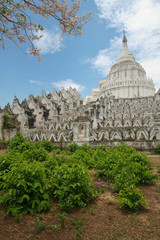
<point x="101" y="220"/>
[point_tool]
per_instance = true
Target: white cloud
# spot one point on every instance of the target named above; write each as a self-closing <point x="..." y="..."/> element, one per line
<point x="68" y="83"/>
<point x="140" y="19"/>
<point x="61" y="84"/>
<point x="35" y="82"/>
<point x="106" y="57"/>
<point x="152" y="65"/>
<point x="101" y="62"/>
<point x="50" y="42"/>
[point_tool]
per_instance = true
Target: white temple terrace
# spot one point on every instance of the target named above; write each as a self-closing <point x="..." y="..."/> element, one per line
<point x="124" y="108"/>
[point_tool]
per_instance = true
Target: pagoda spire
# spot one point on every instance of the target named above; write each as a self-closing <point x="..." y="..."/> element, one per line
<point x="125" y="55"/>
<point x="124" y="40"/>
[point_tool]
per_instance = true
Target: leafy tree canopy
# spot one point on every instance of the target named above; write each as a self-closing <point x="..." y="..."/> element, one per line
<point x="17" y="25"/>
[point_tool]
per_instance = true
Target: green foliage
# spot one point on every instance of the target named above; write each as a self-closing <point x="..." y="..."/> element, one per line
<point x="35" y="99"/>
<point x="16" y="141"/>
<point x="62" y="158"/>
<point x="72" y="185"/>
<point x="29" y="177"/>
<point x="124" y="179"/>
<point x="41" y="226"/>
<point x="78" y="224"/>
<point x="158" y="168"/>
<point x="125" y="168"/>
<point x="28" y="150"/>
<point x="6" y="117"/>
<point x="85" y="147"/>
<point x="47" y="145"/>
<point x="9" y="125"/>
<point x="25" y="188"/>
<point x="24" y="146"/>
<point x="123" y="148"/>
<point x="7" y="161"/>
<point x="28" y="174"/>
<point x="57" y="151"/>
<point x="131" y="198"/>
<point x="38" y="154"/>
<point x="50" y="164"/>
<point x="121" y="165"/>
<point x="71" y="148"/>
<point x="6" y="121"/>
<point x="141" y="159"/>
<point x="157" y="149"/>
<point x="3" y="144"/>
<point x="129" y="128"/>
<point x="83" y="156"/>
<point x="103" y="147"/>
<point x="62" y="219"/>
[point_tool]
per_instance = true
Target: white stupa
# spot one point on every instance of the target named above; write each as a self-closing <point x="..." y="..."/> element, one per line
<point x="126" y="79"/>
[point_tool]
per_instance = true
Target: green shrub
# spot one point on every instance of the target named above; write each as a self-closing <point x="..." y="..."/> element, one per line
<point x="57" y="151"/>
<point x="29" y="176"/>
<point x="29" y="150"/>
<point x="100" y="155"/>
<point x="25" y="189"/>
<point x="47" y="145"/>
<point x="128" y="172"/>
<point x="125" y="168"/>
<point x="71" y="148"/>
<point x="124" y="179"/>
<point x="158" y="167"/>
<point x="16" y="141"/>
<point x="7" y="121"/>
<point x="157" y="149"/>
<point x="51" y="163"/>
<point x="105" y="163"/>
<point x="49" y="166"/>
<point x="7" y="160"/>
<point x="26" y="152"/>
<point x="141" y="159"/>
<point x="61" y="159"/>
<point x="131" y="198"/>
<point x="72" y="186"/>
<point x="122" y="164"/>
<point x="123" y="148"/>
<point x="24" y="146"/>
<point x="38" y="154"/>
<point x="85" y="157"/>
<point x="103" y="147"/>
<point x="141" y="165"/>
<point x="6" y="117"/>
<point x="85" y="147"/>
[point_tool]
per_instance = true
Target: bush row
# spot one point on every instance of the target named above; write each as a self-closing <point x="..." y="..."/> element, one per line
<point x="30" y="178"/>
<point x="31" y="175"/>
<point x="124" y="168"/>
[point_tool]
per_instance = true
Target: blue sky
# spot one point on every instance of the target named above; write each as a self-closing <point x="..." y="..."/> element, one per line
<point x="82" y="61"/>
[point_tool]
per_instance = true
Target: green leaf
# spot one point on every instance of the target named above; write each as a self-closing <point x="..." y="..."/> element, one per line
<point x="23" y="17"/>
<point x="25" y="196"/>
<point x="40" y="27"/>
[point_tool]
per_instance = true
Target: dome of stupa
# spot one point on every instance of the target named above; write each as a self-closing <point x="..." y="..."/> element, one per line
<point x="126" y="78"/>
